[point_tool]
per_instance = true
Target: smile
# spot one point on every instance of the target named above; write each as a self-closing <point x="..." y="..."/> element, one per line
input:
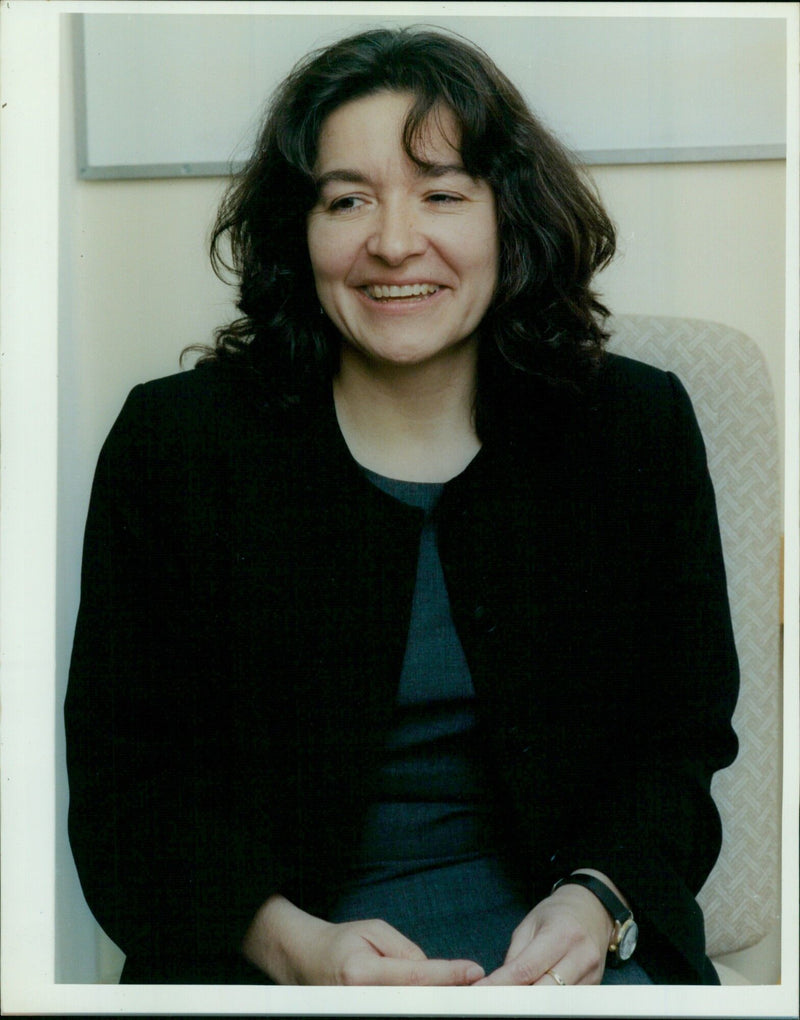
<point x="382" y="292"/>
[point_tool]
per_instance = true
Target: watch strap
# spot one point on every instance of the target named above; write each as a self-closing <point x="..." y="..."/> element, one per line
<point x="607" y="897"/>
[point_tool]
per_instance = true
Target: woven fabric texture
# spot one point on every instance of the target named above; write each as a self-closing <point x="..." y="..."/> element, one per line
<point x="726" y="377"/>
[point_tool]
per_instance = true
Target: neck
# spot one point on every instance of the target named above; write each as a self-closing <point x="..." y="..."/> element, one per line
<point x="413" y="422"/>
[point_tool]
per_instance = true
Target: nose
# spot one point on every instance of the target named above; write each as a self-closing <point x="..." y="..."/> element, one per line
<point x="396" y="236"/>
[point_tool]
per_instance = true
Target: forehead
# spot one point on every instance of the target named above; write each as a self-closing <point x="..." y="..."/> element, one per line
<point x="372" y="127"/>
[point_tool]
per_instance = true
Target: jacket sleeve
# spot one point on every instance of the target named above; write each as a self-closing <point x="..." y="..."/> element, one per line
<point x="169" y="862"/>
<point x="652" y="825"/>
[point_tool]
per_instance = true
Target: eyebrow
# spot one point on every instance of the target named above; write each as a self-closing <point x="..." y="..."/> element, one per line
<point x="347" y="176"/>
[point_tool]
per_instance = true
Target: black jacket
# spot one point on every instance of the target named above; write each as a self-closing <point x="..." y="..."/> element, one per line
<point x="245" y="602"/>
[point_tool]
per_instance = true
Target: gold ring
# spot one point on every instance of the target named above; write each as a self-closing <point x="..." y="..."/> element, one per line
<point x="556" y="977"/>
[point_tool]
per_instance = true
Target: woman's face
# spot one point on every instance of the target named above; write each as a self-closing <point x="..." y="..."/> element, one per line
<point x="404" y="260"/>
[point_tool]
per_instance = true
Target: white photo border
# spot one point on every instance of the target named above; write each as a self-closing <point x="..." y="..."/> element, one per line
<point x="30" y="33"/>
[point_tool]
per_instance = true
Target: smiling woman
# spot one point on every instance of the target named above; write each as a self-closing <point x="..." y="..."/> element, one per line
<point x="404" y="254"/>
<point x="369" y="594"/>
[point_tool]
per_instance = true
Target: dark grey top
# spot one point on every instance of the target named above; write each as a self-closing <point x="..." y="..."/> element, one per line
<point x="431" y="854"/>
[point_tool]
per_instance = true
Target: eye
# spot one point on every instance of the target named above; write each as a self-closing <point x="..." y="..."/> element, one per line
<point x="346" y="203"/>
<point x="444" y="198"/>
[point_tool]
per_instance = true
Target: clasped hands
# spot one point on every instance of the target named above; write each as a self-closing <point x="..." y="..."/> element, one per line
<point x="568" y="932"/>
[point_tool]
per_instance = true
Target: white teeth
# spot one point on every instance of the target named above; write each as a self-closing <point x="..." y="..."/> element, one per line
<point x="407" y="290"/>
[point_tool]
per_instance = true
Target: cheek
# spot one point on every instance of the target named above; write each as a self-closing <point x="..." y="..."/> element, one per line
<point x="481" y="263"/>
<point x="317" y="257"/>
<point x="475" y="250"/>
<point x="491" y="261"/>
<point x="321" y="253"/>
<point x="331" y="254"/>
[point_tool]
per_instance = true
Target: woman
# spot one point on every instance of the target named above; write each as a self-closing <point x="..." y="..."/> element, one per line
<point x="404" y="653"/>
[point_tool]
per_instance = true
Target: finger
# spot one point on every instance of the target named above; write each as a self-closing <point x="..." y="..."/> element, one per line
<point x="526" y="968"/>
<point x="388" y="941"/>
<point x="554" y="976"/>
<point x="387" y="971"/>
<point x="520" y="940"/>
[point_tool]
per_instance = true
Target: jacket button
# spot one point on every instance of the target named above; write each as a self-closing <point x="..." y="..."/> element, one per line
<point x="484" y="620"/>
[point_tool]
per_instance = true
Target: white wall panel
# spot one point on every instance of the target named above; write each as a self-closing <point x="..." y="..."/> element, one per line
<point x="181" y="94"/>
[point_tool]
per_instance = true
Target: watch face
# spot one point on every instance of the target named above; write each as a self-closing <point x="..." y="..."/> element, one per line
<point x="628" y="937"/>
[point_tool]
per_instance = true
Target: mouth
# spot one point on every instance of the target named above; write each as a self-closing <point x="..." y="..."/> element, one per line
<point x="400" y="292"/>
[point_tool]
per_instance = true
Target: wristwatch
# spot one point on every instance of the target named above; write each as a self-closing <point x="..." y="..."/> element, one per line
<point x="626" y="931"/>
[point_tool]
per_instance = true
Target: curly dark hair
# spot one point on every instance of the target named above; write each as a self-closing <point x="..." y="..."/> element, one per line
<point x="554" y="234"/>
